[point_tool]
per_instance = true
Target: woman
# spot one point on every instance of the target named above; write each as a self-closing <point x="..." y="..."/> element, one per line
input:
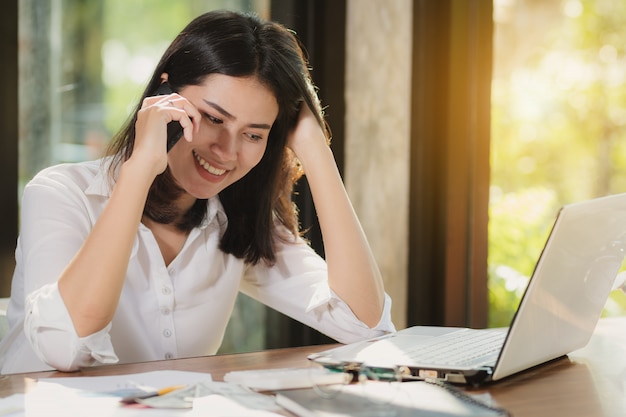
<point x="140" y="256"/>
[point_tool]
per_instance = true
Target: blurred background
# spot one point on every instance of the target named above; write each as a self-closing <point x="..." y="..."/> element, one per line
<point x="460" y="127"/>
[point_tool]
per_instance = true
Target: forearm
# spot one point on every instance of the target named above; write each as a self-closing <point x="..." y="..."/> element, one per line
<point x="92" y="283"/>
<point x="352" y="270"/>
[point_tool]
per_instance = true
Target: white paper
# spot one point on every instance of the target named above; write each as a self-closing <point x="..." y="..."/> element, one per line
<point x="235" y="392"/>
<point x="220" y="406"/>
<point x="12" y="406"/>
<point x="99" y="396"/>
<point x="149" y="380"/>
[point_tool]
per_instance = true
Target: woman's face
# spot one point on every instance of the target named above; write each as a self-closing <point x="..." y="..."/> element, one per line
<point x="237" y="115"/>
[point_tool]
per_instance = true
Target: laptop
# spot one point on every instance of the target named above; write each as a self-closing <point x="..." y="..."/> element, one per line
<point x="557" y="313"/>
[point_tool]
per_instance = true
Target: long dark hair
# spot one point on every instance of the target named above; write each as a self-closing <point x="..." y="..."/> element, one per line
<point x="238" y="45"/>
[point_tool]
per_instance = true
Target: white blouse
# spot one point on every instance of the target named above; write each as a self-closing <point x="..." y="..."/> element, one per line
<point x="174" y="311"/>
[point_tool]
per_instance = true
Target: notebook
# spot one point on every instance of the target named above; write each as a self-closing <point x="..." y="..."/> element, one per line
<point x="557" y="313"/>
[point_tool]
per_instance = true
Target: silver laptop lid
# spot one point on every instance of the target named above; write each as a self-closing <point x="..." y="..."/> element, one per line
<point x="570" y="285"/>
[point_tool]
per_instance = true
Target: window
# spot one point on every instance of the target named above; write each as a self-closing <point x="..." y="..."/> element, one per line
<point x="83" y="66"/>
<point x="558" y="129"/>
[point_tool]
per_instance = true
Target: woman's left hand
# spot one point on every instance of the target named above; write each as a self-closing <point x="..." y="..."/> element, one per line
<point x="307" y="132"/>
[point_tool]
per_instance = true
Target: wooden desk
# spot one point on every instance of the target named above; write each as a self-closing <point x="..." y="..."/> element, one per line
<point x="588" y="383"/>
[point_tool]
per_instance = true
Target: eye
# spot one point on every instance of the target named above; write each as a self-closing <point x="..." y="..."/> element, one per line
<point x="213" y="120"/>
<point x="254" y="137"/>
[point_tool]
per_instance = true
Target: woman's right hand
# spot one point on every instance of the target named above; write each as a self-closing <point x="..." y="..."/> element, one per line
<point x="151" y="128"/>
<point x="105" y="253"/>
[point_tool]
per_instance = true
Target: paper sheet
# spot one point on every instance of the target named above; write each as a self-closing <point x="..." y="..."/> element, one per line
<point x="100" y="396"/>
<point x="234" y="393"/>
<point x="12" y="406"/>
<point x="155" y="380"/>
<point x="220" y="406"/>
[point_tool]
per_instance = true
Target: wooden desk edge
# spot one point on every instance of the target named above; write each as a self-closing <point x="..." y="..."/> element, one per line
<point x="216" y="365"/>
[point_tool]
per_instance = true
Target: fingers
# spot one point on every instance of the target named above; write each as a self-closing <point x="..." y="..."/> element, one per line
<point x="185" y="113"/>
<point x="176" y="108"/>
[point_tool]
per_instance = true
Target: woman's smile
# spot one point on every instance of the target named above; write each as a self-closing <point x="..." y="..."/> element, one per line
<point x="207" y="166"/>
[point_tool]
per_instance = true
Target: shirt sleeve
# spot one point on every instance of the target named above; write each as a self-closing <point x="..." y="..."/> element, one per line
<point x="49" y="329"/>
<point x="297" y="286"/>
<point x="56" y="218"/>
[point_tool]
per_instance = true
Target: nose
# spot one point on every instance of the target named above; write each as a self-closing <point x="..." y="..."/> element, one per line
<point x="225" y="146"/>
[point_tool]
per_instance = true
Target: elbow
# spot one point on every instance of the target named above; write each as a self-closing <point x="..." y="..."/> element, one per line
<point x="380" y="318"/>
<point x="373" y="315"/>
<point x="373" y="318"/>
<point x="49" y="329"/>
<point x="56" y="349"/>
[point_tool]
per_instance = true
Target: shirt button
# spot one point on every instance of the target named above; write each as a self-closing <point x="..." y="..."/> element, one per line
<point x="166" y="290"/>
<point x="168" y="356"/>
<point x="165" y="311"/>
<point x="167" y="333"/>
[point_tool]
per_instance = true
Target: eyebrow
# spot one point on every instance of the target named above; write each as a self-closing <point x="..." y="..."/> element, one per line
<point x="226" y="114"/>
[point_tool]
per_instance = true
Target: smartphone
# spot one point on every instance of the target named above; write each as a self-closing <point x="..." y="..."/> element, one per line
<point x="174" y="129"/>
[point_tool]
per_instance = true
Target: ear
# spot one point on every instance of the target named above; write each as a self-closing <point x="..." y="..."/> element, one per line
<point x="164" y="77"/>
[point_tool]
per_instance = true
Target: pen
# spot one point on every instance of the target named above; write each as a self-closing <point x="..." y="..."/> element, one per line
<point x="133" y="398"/>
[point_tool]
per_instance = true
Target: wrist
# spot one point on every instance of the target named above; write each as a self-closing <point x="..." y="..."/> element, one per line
<point x="137" y="172"/>
<point x="311" y="152"/>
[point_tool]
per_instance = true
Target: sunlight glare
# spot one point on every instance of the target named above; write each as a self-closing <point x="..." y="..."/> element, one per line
<point x="572" y="8"/>
<point x="608" y="54"/>
<point x="513" y="280"/>
<point x="113" y="52"/>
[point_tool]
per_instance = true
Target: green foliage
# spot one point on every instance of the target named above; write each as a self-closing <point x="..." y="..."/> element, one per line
<point x="519" y="226"/>
<point x="558" y="134"/>
<point x="135" y="36"/>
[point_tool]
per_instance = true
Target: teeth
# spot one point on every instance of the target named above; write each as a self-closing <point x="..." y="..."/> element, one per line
<point x="209" y="168"/>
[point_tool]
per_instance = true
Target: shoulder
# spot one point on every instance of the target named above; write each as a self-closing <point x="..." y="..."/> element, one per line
<point x="72" y="176"/>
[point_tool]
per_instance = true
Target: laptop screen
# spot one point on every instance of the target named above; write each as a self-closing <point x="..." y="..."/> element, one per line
<point x="570" y="285"/>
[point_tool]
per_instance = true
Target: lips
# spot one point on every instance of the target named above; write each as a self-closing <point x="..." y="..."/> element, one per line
<point x="208" y="167"/>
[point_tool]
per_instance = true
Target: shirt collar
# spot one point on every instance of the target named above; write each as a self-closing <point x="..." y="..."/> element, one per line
<point x="215" y="213"/>
<point x="102" y="184"/>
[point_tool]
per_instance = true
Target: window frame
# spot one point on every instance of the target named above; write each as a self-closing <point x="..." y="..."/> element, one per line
<point x="9" y="143"/>
<point x="449" y="187"/>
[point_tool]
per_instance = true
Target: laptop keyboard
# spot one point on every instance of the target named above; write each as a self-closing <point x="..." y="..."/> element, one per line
<point x="467" y="348"/>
